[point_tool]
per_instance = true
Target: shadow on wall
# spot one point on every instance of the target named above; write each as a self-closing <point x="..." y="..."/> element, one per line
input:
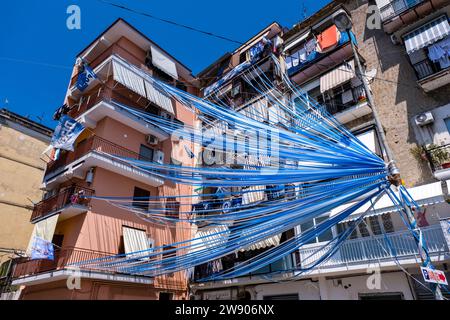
<point x="396" y="83"/>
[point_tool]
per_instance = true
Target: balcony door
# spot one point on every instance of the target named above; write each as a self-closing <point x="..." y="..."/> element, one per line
<point x="141" y="198"/>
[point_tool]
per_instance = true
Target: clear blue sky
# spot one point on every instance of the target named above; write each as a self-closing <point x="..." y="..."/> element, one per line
<point x="37" y="50"/>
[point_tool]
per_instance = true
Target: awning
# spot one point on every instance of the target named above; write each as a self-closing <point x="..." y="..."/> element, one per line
<point x="269" y="242"/>
<point x="428" y="34"/>
<point x="425" y="195"/>
<point x="345" y="72"/>
<point x="163" y="62"/>
<point x="135" y="240"/>
<point x="254" y="194"/>
<point x="256" y="111"/>
<point x="127" y="76"/>
<point x="210" y="238"/>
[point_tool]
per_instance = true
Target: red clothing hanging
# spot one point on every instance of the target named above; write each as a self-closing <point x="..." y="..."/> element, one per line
<point x="328" y="38"/>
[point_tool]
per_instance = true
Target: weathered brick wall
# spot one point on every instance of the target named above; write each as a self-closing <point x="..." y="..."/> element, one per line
<point x="397" y="96"/>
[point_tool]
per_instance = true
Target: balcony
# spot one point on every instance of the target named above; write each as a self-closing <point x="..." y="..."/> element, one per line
<point x="439" y="159"/>
<point x="358" y="253"/>
<point x="430" y="75"/>
<point x="97" y="152"/>
<point x="400" y="13"/>
<point x="285" y="264"/>
<point x="30" y="272"/>
<point x="352" y="110"/>
<point x="320" y="62"/>
<point x="68" y="203"/>
<point x="95" y="108"/>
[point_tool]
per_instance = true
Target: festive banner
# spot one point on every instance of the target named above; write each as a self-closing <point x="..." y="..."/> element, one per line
<point x="42" y="249"/>
<point x="85" y="77"/>
<point x="66" y="132"/>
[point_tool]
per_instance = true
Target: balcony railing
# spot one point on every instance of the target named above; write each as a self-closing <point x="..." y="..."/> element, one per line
<point x="284" y="264"/>
<point x="426" y="68"/>
<point x="335" y="105"/>
<point x="396" y="8"/>
<point x="94" y="143"/>
<point x="72" y="195"/>
<point x="376" y="248"/>
<point x="438" y="157"/>
<point x="62" y="258"/>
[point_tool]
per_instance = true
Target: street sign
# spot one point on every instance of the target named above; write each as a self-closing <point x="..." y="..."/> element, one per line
<point x="434" y="276"/>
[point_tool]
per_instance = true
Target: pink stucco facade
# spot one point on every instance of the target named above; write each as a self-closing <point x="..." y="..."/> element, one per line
<point x="98" y="229"/>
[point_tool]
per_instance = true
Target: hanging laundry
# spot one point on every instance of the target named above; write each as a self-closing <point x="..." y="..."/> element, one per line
<point x="310" y="46"/>
<point x="328" y="39"/>
<point x="440" y="52"/>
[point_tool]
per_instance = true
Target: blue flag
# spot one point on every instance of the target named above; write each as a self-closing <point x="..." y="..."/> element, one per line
<point x="42" y="249"/>
<point x="66" y="132"/>
<point x="85" y="77"/>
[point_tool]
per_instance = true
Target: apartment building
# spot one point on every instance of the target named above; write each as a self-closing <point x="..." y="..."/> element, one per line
<point x="22" y="165"/>
<point x="82" y="228"/>
<point x="320" y="60"/>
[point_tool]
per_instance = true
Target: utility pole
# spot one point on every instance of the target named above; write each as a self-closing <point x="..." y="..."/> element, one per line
<point x="344" y="24"/>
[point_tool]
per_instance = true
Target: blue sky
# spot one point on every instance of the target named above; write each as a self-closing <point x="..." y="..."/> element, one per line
<point x="37" y="50"/>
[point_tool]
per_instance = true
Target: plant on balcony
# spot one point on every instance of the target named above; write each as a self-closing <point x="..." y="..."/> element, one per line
<point x="419" y="153"/>
<point x="439" y="156"/>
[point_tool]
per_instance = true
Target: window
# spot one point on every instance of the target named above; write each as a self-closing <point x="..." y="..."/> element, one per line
<point x="447" y="123"/>
<point x="327" y="235"/>
<point x="173" y="207"/>
<point x="165" y="296"/>
<point x="375" y="225"/>
<point x="146" y="153"/>
<point x="141" y="198"/>
<point x="363" y="231"/>
<point x="387" y="223"/>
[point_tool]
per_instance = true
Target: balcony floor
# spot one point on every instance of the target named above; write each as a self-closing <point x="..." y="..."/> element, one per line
<point x="80" y="167"/>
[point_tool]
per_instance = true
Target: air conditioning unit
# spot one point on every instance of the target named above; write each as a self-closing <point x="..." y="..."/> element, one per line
<point x="424" y="118"/>
<point x="159" y="157"/>
<point x="151" y="139"/>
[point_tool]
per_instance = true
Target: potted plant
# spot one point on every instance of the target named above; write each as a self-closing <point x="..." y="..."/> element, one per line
<point x="439" y="156"/>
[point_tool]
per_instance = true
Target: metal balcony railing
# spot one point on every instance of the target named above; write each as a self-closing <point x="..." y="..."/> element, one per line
<point x="438" y="157"/>
<point x="72" y="195"/>
<point x="376" y="248"/>
<point x="94" y="143"/>
<point x="62" y="258"/>
<point x="396" y="8"/>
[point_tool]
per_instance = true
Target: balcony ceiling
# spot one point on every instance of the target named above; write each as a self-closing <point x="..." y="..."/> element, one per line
<point x="80" y="167"/>
<point x="104" y="109"/>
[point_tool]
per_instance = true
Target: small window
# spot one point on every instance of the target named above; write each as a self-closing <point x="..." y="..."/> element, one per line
<point x="387" y="223"/>
<point x="141" y="198"/>
<point x="173" y="207"/>
<point x="363" y="230"/>
<point x="327" y="235"/>
<point x="146" y="153"/>
<point x="375" y="225"/>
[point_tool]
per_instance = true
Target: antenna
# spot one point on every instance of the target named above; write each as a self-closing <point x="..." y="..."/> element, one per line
<point x="304" y="12"/>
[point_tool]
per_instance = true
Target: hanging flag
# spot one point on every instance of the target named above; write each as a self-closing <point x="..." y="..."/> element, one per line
<point x="85" y="76"/>
<point x="66" y="132"/>
<point x="42" y="249"/>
